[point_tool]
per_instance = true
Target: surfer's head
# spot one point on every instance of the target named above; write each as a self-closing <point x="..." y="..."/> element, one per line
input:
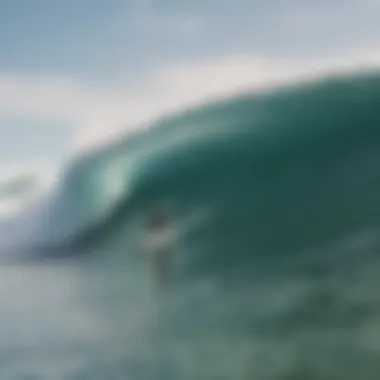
<point x="158" y="217"/>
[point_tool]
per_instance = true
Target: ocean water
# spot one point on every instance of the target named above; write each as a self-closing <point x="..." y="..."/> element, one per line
<point x="275" y="197"/>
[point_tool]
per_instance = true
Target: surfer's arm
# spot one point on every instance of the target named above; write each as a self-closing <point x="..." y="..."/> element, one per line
<point x="146" y="246"/>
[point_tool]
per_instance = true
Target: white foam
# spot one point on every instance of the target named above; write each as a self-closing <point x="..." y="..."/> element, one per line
<point x="44" y="176"/>
<point x="179" y="86"/>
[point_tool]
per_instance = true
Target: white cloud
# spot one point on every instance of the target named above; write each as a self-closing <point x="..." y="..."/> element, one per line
<point x="101" y="112"/>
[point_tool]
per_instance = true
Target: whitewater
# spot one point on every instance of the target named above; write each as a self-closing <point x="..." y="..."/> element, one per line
<point x="275" y="200"/>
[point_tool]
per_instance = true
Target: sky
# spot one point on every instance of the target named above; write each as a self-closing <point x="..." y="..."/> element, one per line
<point x="74" y="73"/>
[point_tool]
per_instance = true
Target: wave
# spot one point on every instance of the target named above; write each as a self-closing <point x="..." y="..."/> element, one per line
<point x="297" y="165"/>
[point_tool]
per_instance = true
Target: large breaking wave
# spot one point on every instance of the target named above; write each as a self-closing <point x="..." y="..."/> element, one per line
<point x="278" y="276"/>
<point x="303" y="156"/>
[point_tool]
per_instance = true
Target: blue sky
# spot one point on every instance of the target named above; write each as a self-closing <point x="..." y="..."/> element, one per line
<point x="74" y="71"/>
<point x="102" y="39"/>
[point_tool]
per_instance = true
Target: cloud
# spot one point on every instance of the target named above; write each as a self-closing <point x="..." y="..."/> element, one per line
<point x="101" y="111"/>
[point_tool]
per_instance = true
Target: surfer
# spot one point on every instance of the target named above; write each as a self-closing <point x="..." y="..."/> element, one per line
<point x="159" y="243"/>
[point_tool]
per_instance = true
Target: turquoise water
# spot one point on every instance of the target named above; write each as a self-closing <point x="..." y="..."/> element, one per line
<point x="276" y="197"/>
